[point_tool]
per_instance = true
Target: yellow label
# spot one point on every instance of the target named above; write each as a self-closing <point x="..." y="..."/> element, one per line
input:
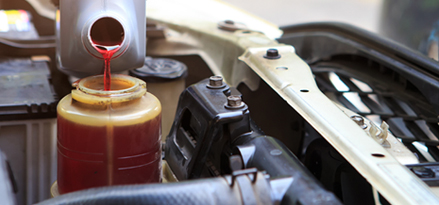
<point x="16" y="16"/>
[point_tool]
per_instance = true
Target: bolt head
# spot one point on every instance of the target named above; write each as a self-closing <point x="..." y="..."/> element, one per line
<point x="229" y="25"/>
<point x="272" y="53"/>
<point x="234" y="101"/>
<point x="230" y="22"/>
<point x="216" y="82"/>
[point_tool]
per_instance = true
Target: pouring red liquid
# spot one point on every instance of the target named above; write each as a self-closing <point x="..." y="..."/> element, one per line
<point x="107" y="35"/>
<point x="107" y="53"/>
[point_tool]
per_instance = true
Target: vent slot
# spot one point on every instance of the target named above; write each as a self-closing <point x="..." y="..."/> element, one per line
<point x="382" y="96"/>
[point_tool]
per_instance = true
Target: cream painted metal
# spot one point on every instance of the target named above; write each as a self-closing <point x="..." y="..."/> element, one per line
<point x="238" y="57"/>
<point x="396" y="148"/>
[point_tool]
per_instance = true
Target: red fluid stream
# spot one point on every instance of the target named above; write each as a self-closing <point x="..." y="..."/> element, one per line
<point x="107" y="53"/>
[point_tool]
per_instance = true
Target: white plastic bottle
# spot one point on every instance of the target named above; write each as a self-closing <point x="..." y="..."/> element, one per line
<point x="125" y="19"/>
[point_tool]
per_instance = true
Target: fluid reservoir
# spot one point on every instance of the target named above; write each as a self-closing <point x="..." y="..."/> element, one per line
<point x="108" y="137"/>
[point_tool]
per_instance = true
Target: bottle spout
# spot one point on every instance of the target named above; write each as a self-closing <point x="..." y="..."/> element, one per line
<point x="107" y="32"/>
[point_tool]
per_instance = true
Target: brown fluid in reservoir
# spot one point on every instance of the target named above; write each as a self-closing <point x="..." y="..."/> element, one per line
<point x="83" y="152"/>
<point x="116" y="84"/>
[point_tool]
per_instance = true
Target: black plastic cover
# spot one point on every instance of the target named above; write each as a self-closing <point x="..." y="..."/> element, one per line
<point x="160" y="70"/>
<point x="206" y="133"/>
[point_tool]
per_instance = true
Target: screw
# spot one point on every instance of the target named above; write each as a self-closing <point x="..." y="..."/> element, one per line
<point x="216" y="82"/>
<point x="229" y="25"/>
<point x="234" y="101"/>
<point x="272" y="53"/>
<point x="359" y="120"/>
<point x="230" y="22"/>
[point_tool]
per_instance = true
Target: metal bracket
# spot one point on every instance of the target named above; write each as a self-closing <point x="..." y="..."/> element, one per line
<point x="251" y="171"/>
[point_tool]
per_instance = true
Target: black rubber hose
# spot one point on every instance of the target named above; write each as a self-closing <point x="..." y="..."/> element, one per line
<point x="202" y="192"/>
<point x="274" y="157"/>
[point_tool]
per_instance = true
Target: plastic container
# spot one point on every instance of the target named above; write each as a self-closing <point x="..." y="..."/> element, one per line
<point x="166" y="79"/>
<point x="108" y="137"/>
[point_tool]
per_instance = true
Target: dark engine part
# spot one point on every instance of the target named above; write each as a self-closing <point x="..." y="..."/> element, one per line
<point x="337" y="175"/>
<point x="269" y="154"/>
<point x="202" y="127"/>
<point x="245" y="187"/>
<point x="213" y="134"/>
<point x="30" y="95"/>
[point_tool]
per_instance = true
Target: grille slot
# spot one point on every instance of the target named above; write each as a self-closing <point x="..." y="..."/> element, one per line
<point x="374" y="92"/>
